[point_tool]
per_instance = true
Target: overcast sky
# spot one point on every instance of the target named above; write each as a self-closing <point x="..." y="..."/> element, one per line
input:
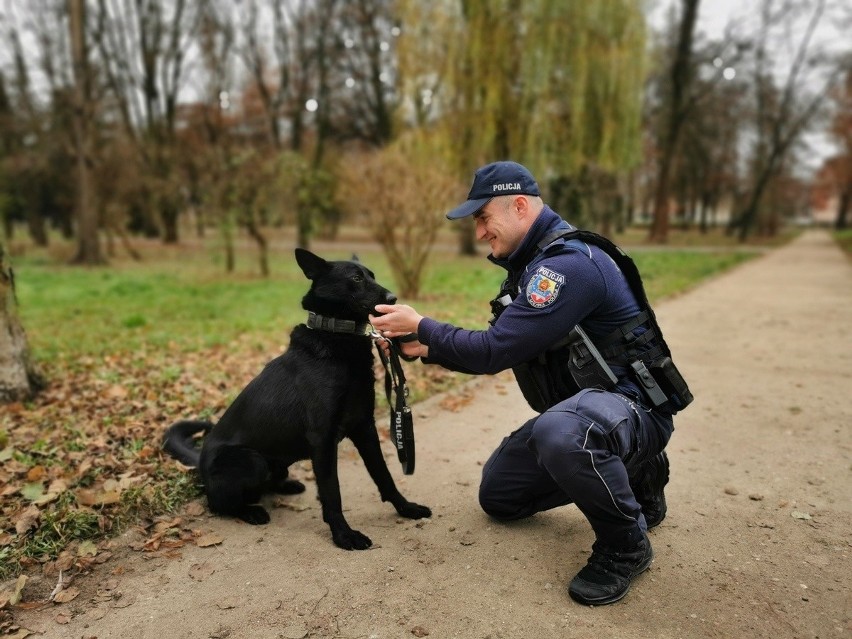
<point x="832" y="35"/>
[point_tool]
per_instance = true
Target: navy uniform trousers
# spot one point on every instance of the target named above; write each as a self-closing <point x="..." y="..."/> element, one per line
<point x="583" y="451"/>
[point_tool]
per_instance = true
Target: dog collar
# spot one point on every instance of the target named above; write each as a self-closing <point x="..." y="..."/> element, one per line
<point x="334" y="325"/>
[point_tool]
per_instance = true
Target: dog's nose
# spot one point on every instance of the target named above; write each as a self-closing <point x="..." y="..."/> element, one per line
<point x="390" y="298"/>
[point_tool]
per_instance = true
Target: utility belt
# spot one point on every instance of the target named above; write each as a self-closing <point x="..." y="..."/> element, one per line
<point x="576" y="362"/>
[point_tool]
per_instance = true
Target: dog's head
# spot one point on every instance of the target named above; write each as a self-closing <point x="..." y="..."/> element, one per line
<point x="345" y="289"/>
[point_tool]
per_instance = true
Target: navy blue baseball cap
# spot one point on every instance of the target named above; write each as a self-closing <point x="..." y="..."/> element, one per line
<point x="492" y="180"/>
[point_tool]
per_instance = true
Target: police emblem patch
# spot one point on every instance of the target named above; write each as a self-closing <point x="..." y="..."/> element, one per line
<point x="544" y="287"/>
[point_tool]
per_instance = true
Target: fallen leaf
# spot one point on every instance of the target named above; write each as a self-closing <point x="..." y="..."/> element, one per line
<point x="88" y="547"/>
<point x="200" y="572"/>
<point x="116" y="392"/>
<point x="36" y="474"/>
<point x="32" y="491"/>
<point x="62" y="618"/>
<point x="298" y="506"/>
<point x="46" y="498"/>
<point x="27" y="520"/>
<point x="210" y="539"/>
<point x="165" y="524"/>
<point x="194" y="509"/>
<point x="19" y="590"/>
<point x="86" y="497"/>
<point x="64" y="596"/>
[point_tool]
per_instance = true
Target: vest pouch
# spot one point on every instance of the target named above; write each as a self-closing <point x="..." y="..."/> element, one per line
<point x="672" y="383"/>
<point x="585" y="363"/>
<point x="534" y="384"/>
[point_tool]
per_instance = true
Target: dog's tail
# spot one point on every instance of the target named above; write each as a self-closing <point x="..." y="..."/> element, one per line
<point x="178" y="441"/>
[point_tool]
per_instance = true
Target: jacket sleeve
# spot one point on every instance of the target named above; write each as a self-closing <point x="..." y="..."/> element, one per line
<point x="536" y="318"/>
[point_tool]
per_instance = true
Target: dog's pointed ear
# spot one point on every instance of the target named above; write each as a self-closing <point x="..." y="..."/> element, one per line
<point x="311" y="265"/>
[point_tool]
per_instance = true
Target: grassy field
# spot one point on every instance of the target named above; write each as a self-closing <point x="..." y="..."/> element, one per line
<point x="181" y="299"/>
<point x="131" y="347"/>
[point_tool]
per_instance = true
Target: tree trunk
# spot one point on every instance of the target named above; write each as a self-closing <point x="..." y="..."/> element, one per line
<point x="843" y="205"/>
<point x="262" y="246"/>
<point x="19" y="379"/>
<point x="37" y="228"/>
<point x="467" y="238"/>
<point x="88" y="247"/>
<point x="681" y="80"/>
<point x="169" y="216"/>
<point x="227" y="229"/>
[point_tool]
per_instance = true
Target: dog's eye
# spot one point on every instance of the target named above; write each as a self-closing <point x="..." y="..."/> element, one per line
<point x="357" y="278"/>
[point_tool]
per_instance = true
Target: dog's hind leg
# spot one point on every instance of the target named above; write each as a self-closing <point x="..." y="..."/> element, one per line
<point x="279" y="482"/>
<point x="366" y="440"/>
<point x="234" y="483"/>
<point x="324" y="459"/>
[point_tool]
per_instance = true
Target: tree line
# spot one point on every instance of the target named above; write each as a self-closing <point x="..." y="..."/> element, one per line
<point x="245" y="114"/>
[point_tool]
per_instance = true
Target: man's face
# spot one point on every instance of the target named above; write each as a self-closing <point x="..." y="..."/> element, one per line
<point x="498" y="224"/>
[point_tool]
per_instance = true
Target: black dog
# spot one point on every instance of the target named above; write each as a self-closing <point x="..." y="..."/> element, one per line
<point x="300" y="406"/>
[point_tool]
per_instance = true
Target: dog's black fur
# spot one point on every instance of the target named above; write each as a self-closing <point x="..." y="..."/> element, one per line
<point x="299" y="407"/>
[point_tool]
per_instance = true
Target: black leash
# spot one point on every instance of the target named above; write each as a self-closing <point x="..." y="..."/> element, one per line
<point x="401" y="419"/>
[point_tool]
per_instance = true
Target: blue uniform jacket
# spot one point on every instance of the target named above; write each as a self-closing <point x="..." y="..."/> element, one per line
<point x="568" y="283"/>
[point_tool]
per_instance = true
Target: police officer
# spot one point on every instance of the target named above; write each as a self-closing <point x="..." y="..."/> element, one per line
<point x="598" y="447"/>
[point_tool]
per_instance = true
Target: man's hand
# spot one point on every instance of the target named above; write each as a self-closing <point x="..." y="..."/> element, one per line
<point x="396" y="321"/>
<point x="412" y="349"/>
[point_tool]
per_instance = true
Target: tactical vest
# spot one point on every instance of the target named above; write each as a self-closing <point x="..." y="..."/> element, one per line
<point x="576" y="362"/>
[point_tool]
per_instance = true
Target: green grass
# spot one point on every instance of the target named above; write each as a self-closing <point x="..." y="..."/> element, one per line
<point x="669" y="273"/>
<point x="96" y="311"/>
<point x="73" y="312"/>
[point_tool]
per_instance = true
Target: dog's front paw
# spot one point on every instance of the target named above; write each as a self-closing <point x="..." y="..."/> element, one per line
<point x="413" y="511"/>
<point x="351" y="539"/>
<point x="254" y="515"/>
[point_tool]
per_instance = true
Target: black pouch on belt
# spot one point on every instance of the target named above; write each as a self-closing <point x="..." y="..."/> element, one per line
<point x="672" y="383"/>
<point x="585" y="363"/>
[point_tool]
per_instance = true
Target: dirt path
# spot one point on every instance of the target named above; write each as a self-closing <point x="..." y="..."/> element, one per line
<point x="756" y="543"/>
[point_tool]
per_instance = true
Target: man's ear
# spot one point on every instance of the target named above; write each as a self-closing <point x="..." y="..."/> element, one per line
<point x="521" y="206"/>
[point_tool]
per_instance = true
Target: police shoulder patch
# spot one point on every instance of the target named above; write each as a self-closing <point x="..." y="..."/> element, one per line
<point x="544" y="287"/>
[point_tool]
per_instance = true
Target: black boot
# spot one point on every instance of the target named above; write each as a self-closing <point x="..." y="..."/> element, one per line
<point x="606" y="577"/>
<point x="648" y="488"/>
